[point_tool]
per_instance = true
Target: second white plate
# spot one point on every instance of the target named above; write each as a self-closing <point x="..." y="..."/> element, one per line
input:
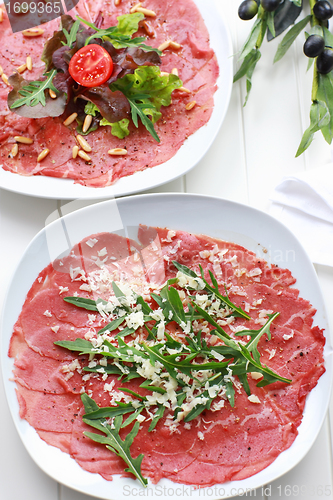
<point x="193" y="213"/>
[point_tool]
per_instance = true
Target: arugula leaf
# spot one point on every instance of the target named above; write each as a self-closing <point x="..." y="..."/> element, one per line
<point x="157" y="416"/>
<point x="34" y="92"/>
<point x="121" y="35"/>
<point x="210" y="289"/>
<point x="71" y="36"/>
<point x="89" y="304"/>
<point x="81" y="345"/>
<point x="112" y="439"/>
<point x="96" y="413"/>
<point x="147" y="91"/>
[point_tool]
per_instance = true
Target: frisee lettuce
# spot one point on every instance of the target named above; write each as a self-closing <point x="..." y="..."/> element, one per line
<point x="121" y="35"/>
<point x="118" y="129"/>
<point x="147" y="91"/>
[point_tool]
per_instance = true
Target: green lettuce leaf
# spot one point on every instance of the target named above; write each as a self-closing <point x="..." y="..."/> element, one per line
<point x="118" y="129"/>
<point x="128" y="24"/>
<point x="147" y="91"/>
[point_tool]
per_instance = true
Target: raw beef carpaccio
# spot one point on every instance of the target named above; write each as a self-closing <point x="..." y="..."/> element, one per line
<point x="177" y="20"/>
<point x="221" y="444"/>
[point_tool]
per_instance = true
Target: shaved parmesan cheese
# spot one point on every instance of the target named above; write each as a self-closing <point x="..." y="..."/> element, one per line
<point x="102" y="252"/>
<point x="256" y="375"/>
<point x="287" y="337"/>
<point x="92" y="242"/>
<point x="254" y="399"/>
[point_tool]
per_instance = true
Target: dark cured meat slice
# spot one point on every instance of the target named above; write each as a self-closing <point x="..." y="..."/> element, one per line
<point x="198" y="68"/>
<point x="61" y="440"/>
<point x="48" y="412"/>
<point x="228" y="444"/>
<point x="192" y="245"/>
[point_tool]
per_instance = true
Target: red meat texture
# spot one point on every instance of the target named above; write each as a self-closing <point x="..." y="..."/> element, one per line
<point x="198" y="69"/>
<point x="229" y="444"/>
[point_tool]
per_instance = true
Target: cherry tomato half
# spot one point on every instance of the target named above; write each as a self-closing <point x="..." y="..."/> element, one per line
<point x="91" y="66"/>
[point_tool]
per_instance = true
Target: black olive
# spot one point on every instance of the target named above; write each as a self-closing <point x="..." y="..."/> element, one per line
<point x="314" y="45"/>
<point x="270" y="5"/>
<point x="323" y="10"/>
<point x="247" y="10"/>
<point x="325" y="61"/>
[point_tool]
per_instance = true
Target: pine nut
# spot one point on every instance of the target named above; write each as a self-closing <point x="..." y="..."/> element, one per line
<point x="184" y="89"/>
<point x="1" y="15"/>
<point x="83" y="143"/>
<point x="53" y="95"/>
<point x="70" y="119"/>
<point x="1" y="71"/>
<point x="146" y="12"/>
<point x="117" y="2"/>
<point x="84" y="155"/>
<point x="22" y="68"/>
<point x="5" y="79"/>
<point x="33" y="32"/>
<point x="174" y="71"/>
<point x="133" y="9"/>
<point x="43" y="155"/>
<point x="164" y="73"/>
<point x="174" y="45"/>
<point x="23" y="140"/>
<point x="190" y="105"/>
<point x="148" y="29"/>
<point x="75" y="151"/>
<point x="29" y="63"/>
<point x="164" y="45"/>
<point x="87" y="122"/>
<point x="14" y="150"/>
<point x="117" y="152"/>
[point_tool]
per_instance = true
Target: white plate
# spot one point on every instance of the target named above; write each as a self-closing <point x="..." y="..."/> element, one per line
<point x="186" y="158"/>
<point x="193" y="213"/>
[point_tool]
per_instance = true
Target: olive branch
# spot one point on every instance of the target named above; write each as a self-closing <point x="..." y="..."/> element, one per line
<point x="273" y="17"/>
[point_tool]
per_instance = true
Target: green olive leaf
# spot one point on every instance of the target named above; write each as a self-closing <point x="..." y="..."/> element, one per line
<point x="325" y="94"/>
<point x="319" y="118"/>
<point x="284" y="16"/>
<point x="247" y="68"/>
<point x="328" y="37"/>
<point x="290" y="37"/>
<point x="251" y="42"/>
<point x="270" y="23"/>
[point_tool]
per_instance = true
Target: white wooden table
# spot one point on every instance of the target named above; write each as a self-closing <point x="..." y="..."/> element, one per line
<point x="255" y="148"/>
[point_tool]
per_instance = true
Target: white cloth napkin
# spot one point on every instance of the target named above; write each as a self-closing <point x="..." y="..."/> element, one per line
<point x="304" y="203"/>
